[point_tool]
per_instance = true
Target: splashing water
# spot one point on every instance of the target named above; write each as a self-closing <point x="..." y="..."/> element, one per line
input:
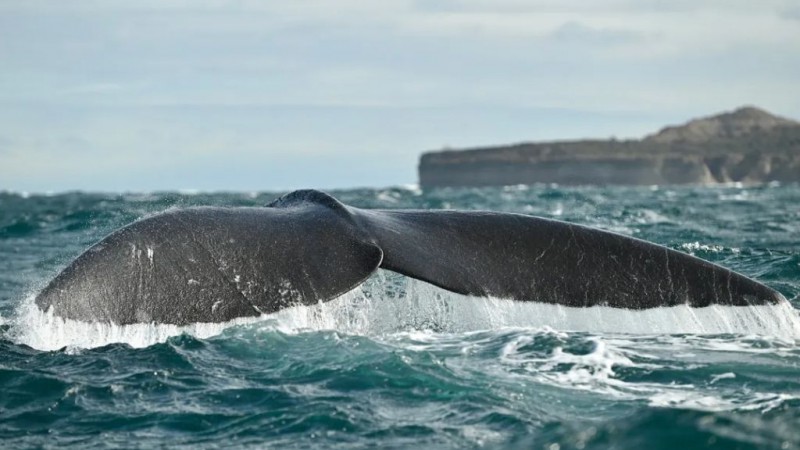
<point x="410" y="304"/>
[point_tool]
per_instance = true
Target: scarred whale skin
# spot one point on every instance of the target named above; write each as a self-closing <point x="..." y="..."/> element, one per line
<point x="216" y="264"/>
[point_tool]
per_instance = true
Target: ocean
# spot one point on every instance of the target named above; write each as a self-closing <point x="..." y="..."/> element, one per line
<point x="398" y="363"/>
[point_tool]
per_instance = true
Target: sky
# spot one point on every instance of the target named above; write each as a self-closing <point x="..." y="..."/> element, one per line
<point x="265" y="95"/>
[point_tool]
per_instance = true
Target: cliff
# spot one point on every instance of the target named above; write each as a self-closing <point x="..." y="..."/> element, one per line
<point x="747" y="145"/>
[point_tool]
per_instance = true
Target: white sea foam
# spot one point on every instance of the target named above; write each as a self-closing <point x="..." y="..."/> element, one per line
<point x="722" y="376"/>
<point x="691" y="247"/>
<point x="381" y="307"/>
<point x="388" y="196"/>
<point x="650" y="216"/>
<point x="596" y="372"/>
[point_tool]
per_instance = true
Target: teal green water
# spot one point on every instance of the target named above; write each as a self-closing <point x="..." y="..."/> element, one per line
<point x="398" y="364"/>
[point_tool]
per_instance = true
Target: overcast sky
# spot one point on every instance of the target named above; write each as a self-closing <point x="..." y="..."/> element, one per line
<point x="265" y="95"/>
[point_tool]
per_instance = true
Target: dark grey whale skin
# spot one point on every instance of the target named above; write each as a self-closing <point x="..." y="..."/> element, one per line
<point x="217" y="264"/>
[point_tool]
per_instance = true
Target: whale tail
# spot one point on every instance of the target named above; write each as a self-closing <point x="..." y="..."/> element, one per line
<point x="217" y="264"/>
<point x="534" y="259"/>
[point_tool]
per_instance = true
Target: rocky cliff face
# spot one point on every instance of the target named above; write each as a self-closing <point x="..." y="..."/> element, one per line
<point x="747" y="145"/>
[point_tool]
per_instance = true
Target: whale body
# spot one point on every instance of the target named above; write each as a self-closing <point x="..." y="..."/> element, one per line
<point x="211" y="264"/>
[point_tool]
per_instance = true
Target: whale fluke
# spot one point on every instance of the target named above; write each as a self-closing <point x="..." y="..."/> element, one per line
<point x="217" y="264"/>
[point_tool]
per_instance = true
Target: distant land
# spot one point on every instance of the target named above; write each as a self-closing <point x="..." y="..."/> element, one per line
<point x="747" y="145"/>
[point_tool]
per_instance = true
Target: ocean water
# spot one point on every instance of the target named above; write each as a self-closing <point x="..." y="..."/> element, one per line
<point x="397" y="363"/>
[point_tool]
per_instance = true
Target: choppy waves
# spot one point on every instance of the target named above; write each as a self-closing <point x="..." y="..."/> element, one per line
<point x="398" y="363"/>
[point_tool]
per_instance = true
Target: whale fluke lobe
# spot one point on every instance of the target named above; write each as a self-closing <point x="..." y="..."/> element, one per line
<point x="214" y="265"/>
<point x="217" y="264"/>
<point x="534" y="259"/>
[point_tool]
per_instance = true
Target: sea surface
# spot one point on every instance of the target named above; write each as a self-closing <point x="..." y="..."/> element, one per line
<point x="400" y="364"/>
